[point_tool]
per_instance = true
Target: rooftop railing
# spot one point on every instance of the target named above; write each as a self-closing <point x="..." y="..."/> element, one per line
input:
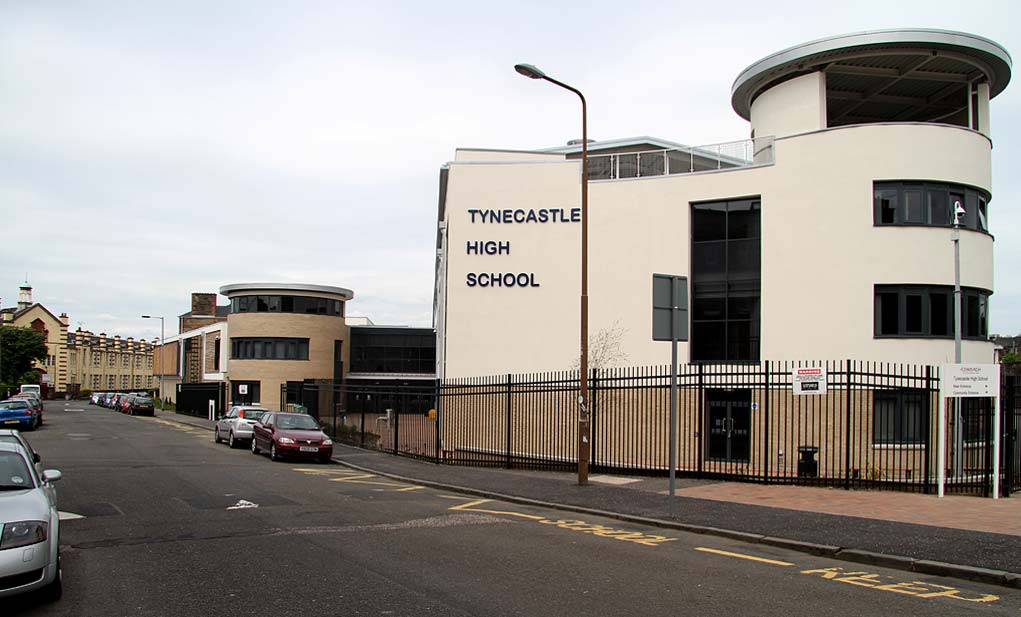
<point x="728" y="155"/>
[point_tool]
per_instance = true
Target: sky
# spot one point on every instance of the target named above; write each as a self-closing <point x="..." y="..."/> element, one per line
<point x="153" y="149"/>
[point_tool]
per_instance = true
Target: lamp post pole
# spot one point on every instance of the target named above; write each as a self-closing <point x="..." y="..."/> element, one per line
<point x="584" y="428"/>
<point x="162" y="370"/>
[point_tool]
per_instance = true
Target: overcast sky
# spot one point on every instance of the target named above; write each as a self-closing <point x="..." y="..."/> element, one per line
<point x="148" y="150"/>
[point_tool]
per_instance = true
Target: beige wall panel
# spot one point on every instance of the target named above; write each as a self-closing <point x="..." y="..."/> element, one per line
<point x="486" y="327"/>
<point x="795" y="106"/>
<point x="320" y="330"/>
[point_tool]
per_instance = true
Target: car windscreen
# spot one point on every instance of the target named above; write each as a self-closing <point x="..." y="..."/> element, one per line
<point x="297" y="422"/>
<point x="14" y="473"/>
<point x="13" y="405"/>
<point x="251" y="414"/>
<point x="143" y="401"/>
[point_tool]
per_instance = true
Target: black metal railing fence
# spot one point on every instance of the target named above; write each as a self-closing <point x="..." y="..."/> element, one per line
<point x="873" y="427"/>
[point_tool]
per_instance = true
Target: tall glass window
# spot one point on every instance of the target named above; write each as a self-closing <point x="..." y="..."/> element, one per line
<point x="726" y="280"/>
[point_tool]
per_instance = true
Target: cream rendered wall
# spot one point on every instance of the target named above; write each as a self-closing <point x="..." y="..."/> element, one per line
<point x="493" y="330"/>
<point x="794" y="106"/>
<point x="821" y="253"/>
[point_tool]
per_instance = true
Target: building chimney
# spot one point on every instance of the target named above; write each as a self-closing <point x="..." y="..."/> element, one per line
<point x="64" y="319"/>
<point x="203" y="304"/>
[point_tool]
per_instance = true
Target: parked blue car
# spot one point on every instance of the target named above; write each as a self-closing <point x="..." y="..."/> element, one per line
<point x="19" y="414"/>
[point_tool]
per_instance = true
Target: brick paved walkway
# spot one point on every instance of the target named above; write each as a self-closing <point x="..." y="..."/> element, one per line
<point x="972" y="513"/>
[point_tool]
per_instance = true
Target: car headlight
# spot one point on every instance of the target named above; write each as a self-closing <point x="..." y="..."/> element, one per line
<point x="327" y="442"/>
<point x="22" y="533"/>
<point x="285" y="440"/>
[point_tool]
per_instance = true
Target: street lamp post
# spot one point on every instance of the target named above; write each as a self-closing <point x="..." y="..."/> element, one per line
<point x="162" y="355"/>
<point x="583" y="396"/>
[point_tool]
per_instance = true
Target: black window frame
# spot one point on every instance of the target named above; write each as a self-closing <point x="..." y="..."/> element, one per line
<point x="974" y="311"/>
<point x="904" y="431"/>
<point x="975" y="201"/>
<point x="288" y="303"/>
<point x="268" y="348"/>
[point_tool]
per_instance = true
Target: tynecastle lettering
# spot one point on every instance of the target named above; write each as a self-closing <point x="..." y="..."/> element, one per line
<point x="503" y="247"/>
<point x="532" y="215"/>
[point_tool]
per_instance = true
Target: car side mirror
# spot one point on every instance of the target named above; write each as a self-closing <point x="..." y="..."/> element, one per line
<point x="36" y="457"/>
<point x="52" y="475"/>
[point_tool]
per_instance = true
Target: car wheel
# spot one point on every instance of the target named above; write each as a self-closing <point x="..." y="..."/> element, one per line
<point x="216" y="435"/>
<point x="53" y="591"/>
<point x="230" y="440"/>
<point x="273" y="452"/>
<point x="255" y="446"/>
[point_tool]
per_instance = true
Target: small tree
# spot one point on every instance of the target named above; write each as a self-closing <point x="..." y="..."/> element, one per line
<point x="605" y="348"/>
<point x="1010" y="357"/>
<point x="19" y="347"/>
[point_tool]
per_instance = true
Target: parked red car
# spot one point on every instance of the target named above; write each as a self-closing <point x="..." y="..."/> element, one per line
<point x="291" y="435"/>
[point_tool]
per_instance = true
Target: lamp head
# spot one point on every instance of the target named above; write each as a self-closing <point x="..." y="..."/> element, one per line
<point x="146" y="316"/>
<point x="529" y="71"/>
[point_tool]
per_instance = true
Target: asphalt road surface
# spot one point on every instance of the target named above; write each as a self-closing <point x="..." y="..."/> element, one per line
<point x="176" y="525"/>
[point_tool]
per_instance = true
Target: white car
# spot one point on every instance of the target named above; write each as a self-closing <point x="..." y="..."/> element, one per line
<point x="236" y="425"/>
<point x="30" y="526"/>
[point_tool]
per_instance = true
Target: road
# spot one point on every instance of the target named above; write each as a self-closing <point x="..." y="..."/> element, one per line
<point x="174" y="524"/>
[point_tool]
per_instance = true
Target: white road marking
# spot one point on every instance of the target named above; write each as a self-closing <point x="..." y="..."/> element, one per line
<point x="243" y="504"/>
<point x="68" y="516"/>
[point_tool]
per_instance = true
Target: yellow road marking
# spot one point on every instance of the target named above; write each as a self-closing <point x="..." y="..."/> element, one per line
<point x="326" y="472"/>
<point x="742" y="556"/>
<point x="410" y="488"/>
<point x="479" y="502"/>
<point x="918" y="589"/>
<point x="573" y="525"/>
<point x="364" y="480"/>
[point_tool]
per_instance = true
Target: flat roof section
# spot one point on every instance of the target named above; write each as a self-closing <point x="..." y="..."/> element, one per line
<point x="884" y="75"/>
<point x="235" y="288"/>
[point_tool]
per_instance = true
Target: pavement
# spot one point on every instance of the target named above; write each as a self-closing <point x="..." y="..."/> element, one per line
<point x="964" y="537"/>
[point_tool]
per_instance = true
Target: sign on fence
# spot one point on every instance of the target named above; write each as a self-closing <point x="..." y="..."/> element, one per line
<point x="809" y="380"/>
<point x="970" y="380"/>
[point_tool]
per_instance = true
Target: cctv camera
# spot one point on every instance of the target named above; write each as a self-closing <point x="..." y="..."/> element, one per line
<point x="958" y="208"/>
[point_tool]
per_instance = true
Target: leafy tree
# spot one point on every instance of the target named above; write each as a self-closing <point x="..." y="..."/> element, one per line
<point x="1010" y="357"/>
<point x="18" y="348"/>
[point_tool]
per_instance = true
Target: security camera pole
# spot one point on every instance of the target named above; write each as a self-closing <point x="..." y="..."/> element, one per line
<point x="955" y="235"/>
<point x="583" y="399"/>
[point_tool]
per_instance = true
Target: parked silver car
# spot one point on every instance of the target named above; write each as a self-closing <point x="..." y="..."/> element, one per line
<point x="236" y="425"/>
<point x="8" y="435"/>
<point x="29" y="526"/>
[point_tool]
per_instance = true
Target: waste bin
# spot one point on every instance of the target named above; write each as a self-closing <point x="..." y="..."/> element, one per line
<point x="808" y="467"/>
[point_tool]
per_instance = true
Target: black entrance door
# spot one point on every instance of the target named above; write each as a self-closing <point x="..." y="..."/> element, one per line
<point x="729" y="430"/>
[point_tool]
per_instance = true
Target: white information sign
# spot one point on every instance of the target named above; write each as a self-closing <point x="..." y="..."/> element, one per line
<point x="970" y="380"/>
<point x="809" y="380"/>
<point x="243" y="388"/>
